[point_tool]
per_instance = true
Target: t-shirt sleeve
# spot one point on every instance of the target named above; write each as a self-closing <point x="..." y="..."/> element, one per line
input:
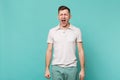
<point x="79" y="36"/>
<point x="50" y="37"/>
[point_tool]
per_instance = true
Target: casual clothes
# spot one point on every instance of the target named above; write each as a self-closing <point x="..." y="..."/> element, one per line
<point x="64" y="48"/>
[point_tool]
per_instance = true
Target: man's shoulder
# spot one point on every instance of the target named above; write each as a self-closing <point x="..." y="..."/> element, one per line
<point x="53" y="29"/>
<point x="77" y="29"/>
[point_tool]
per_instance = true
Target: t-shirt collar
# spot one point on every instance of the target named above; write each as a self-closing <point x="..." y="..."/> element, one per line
<point x="58" y="27"/>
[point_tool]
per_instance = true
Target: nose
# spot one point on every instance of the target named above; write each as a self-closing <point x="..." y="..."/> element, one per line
<point x="63" y="16"/>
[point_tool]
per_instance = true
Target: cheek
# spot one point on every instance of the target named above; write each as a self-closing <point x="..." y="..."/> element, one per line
<point x="67" y="17"/>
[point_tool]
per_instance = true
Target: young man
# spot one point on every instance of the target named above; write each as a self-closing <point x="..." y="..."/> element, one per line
<point x="63" y="40"/>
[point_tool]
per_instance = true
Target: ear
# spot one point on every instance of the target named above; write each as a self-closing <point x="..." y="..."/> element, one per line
<point x="70" y="16"/>
<point x="58" y="17"/>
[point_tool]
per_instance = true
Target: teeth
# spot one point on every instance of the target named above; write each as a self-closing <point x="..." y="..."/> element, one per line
<point x="63" y="20"/>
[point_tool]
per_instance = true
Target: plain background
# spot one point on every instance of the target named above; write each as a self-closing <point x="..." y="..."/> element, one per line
<point x="24" y="26"/>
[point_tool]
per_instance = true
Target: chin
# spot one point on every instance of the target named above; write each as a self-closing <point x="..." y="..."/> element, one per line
<point x="64" y="25"/>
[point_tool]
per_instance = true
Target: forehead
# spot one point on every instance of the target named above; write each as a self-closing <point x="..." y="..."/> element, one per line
<point x="63" y="11"/>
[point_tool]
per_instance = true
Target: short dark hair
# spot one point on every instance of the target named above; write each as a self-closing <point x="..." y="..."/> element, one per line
<point x="63" y="8"/>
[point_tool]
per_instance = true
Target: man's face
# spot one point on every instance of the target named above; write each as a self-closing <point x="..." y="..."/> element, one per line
<point x="64" y="17"/>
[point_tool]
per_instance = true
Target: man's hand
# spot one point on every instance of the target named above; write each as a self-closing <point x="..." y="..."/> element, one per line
<point x="47" y="74"/>
<point x="81" y="74"/>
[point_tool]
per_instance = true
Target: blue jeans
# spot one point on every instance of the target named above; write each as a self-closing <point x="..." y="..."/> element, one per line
<point x="64" y="73"/>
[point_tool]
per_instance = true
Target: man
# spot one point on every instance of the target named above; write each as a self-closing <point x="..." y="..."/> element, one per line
<point x="63" y="40"/>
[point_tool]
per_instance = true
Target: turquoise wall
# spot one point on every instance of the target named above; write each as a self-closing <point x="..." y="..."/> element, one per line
<point x="24" y="25"/>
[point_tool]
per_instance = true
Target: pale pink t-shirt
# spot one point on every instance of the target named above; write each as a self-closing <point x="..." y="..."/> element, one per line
<point x="64" y="45"/>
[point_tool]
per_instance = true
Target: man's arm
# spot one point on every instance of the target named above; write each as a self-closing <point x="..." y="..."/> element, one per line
<point x="48" y="59"/>
<point x="82" y="62"/>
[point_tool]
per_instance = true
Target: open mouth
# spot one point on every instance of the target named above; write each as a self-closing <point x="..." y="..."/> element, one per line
<point x="63" y="20"/>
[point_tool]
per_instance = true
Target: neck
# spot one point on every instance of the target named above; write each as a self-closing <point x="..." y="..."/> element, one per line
<point x="65" y="27"/>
